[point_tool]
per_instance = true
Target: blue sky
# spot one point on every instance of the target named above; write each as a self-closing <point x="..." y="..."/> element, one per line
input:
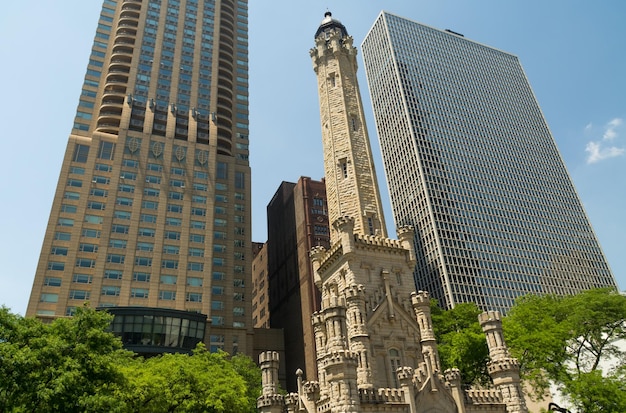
<point x="572" y="52"/>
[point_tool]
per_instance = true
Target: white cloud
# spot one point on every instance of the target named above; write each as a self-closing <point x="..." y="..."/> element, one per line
<point x="609" y="129"/>
<point x="597" y="153"/>
<point x="597" y="150"/>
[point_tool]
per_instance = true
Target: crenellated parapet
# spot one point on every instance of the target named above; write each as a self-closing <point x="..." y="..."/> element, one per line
<point x="385" y="395"/>
<point x="340" y="358"/>
<point x="270" y="401"/>
<point x="453" y="376"/>
<point x="311" y="390"/>
<point x="483" y="396"/>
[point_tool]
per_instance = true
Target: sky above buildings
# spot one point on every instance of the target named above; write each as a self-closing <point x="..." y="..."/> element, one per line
<point x="572" y="52"/>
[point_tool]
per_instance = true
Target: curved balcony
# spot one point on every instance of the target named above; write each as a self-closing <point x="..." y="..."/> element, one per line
<point x="111" y="105"/>
<point x="225" y="103"/>
<point x="224" y="122"/>
<point x="223" y="74"/>
<point x="129" y="13"/>
<point x="224" y="92"/>
<point x="227" y="49"/>
<point x="125" y="39"/>
<point x="224" y="147"/>
<point x="131" y="6"/>
<point x="224" y="134"/>
<point x="230" y="41"/>
<point x="121" y="50"/>
<point x="128" y="22"/>
<point x="113" y="98"/>
<point x="117" y="67"/>
<point x="225" y="113"/>
<point x="115" y="89"/>
<point x="225" y="83"/>
<point x="226" y="64"/>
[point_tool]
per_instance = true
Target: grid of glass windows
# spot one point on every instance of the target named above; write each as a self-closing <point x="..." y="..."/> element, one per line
<point x="472" y="165"/>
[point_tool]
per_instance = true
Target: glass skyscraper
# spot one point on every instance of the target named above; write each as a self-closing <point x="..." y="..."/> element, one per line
<point x="472" y="165"/>
<point x="152" y="207"/>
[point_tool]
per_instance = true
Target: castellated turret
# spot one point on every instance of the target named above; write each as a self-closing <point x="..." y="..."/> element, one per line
<point x="503" y="369"/>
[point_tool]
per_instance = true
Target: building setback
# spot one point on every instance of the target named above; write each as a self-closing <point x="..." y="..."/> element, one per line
<point x="152" y="207"/>
<point x="472" y="165"/>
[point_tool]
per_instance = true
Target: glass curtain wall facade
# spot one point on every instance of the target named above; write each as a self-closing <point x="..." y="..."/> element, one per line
<point x="472" y="165"/>
<point x="152" y="206"/>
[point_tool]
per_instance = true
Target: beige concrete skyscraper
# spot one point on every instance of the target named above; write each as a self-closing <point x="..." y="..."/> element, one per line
<point x="152" y="207"/>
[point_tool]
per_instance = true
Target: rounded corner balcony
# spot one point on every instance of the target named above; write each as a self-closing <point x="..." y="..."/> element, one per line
<point x="328" y="24"/>
<point x="151" y="331"/>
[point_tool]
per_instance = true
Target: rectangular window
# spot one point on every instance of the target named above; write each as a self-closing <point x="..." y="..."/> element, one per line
<point x="85" y="263"/>
<point x="49" y="298"/>
<point x="196" y="238"/>
<point x="152" y="219"/>
<point x="146" y="232"/>
<point x="79" y="295"/>
<point x="151" y="192"/>
<point x="62" y="236"/>
<point x="217" y="305"/>
<point x="117" y="243"/>
<point x="177" y="209"/>
<point x="145" y="246"/>
<point x="96" y="205"/>
<point x="199" y="198"/>
<point x="169" y="279"/>
<point x="176" y="195"/>
<point x="103" y="193"/>
<point x="171" y="249"/>
<point x="66" y="222"/>
<point x="106" y="150"/>
<point x="141" y="277"/>
<point x="77" y="183"/>
<point x="113" y="274"/>
<point x="170" y="264"/>
<point x="110" y="290"/>
<point x="194" y="281"/>
<point x="172" y="235"/>
<point x="167" y="295"/>
<point x="58" y="251"/>
<point x="139" y="292"/>
<point x="217" y="290"/>
<point x="198" y="211"/>
<point x="52" y="281"/>
<point x="91" y="233"/>
<point x="150" y="179"/>
<point x="197" y="225"/>
<point x="80" y="153"/>
<point x="175" y="222"/>
<point x="74" y="196"/>
<point x="82" y="278"/>
<point x="119" y="229"/>
<point x="195" y="266"/>
<point x="194" y="297"/>
<point x="93" y="219"/>
<point x="77" y="170"/>
<point x="143" y="261"/>
<point x="196" y="252"/>
<point x="150" y="205"/>
<point x="103" y="168"/>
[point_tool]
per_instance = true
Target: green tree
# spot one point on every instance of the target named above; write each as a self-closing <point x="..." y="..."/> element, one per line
<point x="202" y="382"/>
<point x="461" y="341"/>
<point x="572" y="341"/>
<point x="70" y="365"/>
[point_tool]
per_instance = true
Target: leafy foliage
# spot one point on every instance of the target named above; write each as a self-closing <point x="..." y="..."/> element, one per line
<point x="573" y="341"/>
<point x="461" y="341"/>
<point x="76" y="365"/>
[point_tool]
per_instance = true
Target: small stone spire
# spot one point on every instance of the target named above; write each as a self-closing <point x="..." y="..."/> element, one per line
<point x="503" y="369"/>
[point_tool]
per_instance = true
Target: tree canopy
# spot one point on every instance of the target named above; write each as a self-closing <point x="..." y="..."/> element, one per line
<point x="76" y="365"/>
<point x="461" y="341"/>
<point x="573" y="342"/>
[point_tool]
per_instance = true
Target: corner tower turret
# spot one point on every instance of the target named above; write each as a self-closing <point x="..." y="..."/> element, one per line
<point x="351" y="185"/>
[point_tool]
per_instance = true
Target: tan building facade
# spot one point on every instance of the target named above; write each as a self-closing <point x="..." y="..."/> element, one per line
<point x="375" y="344"/>
<point x="152" y="207"/>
